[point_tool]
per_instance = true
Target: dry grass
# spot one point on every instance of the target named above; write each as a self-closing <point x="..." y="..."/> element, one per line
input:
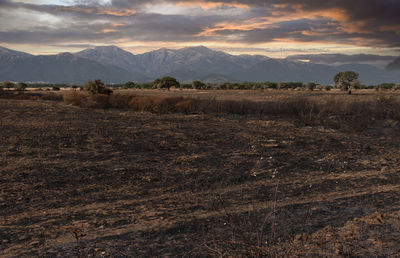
<point x="356" y="112"/>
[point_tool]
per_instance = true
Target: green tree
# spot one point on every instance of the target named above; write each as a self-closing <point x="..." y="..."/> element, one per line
<point x="97" y="87"/>
<point x="198" y="85"/>
<point x="130" y="85"/>
<point x="344" y="80"/>
<point x="166" y="83"/>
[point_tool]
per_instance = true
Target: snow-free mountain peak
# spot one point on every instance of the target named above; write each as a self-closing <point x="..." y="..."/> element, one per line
<point x="110" y="55"/>
<point x="9" y="52"/>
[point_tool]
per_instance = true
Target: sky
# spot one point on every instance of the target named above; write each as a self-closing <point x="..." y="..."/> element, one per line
<point x="275" y="28"/>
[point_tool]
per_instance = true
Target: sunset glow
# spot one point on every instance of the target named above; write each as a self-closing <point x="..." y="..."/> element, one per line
<point x="273" y="28"/>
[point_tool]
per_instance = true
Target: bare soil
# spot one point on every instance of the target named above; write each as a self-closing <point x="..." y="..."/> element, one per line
<point x="91" y="182"/>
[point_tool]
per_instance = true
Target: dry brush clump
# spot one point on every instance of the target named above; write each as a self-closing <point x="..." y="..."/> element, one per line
<point x="153" y="104"/>
<point x="75" y="98"/>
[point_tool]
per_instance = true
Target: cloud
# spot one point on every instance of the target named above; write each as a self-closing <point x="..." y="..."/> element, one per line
<point x="370" y="23"/>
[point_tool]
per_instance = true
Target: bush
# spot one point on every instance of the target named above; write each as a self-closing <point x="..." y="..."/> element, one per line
<point x="198" y="85"/>
<point x="130" y="85"/>
<point x="7" y="85"/>
<point x="75" y="98"/>
<point x="97" y="87"/>
<point x="187" y="86"/>
<point x="223" y="86"/>
<point x="56" y="88"/>
<point x="289" y="85"/>
<point x="311" y="86"/>
<point x="120" y="100"/>
<point x="98" y="101"/>
<point x="270" y="85"/>
<point x="385" y="86"/>
<point x="21" y="86"/>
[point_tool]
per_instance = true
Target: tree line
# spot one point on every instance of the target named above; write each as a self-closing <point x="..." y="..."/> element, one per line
<point x="345" y="81"/>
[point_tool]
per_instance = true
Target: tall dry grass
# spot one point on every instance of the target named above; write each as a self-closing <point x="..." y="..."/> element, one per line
<point x="337" y="111"/>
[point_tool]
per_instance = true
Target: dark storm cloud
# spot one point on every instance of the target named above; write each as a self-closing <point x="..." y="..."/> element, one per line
<point x="359" y="22"/>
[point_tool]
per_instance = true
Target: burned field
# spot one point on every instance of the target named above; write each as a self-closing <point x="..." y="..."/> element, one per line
<point x="91" y="182"/>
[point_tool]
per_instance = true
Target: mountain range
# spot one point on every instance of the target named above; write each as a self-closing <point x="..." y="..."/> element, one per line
<point x="115" y="65"/>
<point x="395" y="65"/>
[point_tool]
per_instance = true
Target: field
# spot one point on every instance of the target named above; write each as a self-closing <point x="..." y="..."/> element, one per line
<point x="116" y="183"/>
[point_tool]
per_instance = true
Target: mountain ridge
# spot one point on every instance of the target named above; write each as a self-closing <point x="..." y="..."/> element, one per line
<point x="60" y="68"/>
<point x="394" y="66"/>
<point x="113" y="64"/>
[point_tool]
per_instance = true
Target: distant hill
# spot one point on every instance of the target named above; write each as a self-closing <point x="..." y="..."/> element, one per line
<point x="61" y="68"/>
<point x="395" y="65"/>
<point x="115" y="65"/>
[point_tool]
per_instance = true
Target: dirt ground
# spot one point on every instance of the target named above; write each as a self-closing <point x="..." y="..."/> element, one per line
<point x="113" y="183"/>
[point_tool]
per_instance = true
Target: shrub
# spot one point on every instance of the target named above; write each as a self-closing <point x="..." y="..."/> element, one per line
<point x="311" y="86"/>
<point x="270" y="85"/>
<point x="7" y="85"/>
<point x="198" y="85"/>
<point x="384" y="86"/>
<point x="56" y="88"/>
<point x="98" y="101"/>
<point x="75" y="98"/>
<point x="223" y="86"/>
<point x="146" y="85"/>
<point x="21" y="86"/>
<point x="186" y="86"/>
<point x="97" y="87"/>
<point x="142" y="104"/>
<point x="289" y="85"/>
<point x="120" y="100"/>
<point x="129" y="85"/>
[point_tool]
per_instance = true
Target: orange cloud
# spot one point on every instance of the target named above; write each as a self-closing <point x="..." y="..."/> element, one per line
<point x="211" y="5"/>
<point x="97" y="11"/>
<point x="127" y="12"/>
